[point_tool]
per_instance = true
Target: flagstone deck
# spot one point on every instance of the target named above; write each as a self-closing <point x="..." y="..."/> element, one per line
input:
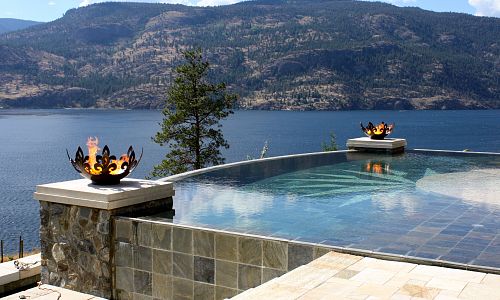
<point x="344" y="276"/>
<point x="50" y="292"/>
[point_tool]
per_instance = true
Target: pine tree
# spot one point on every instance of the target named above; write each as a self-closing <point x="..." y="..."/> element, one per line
<point x="191" y="126"/>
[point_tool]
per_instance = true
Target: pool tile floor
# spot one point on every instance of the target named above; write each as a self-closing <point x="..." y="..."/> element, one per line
<point x="344" y="276"/>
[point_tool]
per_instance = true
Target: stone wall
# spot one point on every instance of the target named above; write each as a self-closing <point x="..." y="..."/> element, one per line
<point x="160" y="260"/>
<point x="77" y="244"/>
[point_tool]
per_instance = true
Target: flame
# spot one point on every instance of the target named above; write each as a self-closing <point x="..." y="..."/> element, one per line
<point x="93" y="148"/>
<point x="92" y="145"/>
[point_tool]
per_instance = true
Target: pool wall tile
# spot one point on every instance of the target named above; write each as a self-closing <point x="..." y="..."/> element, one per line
<point x="143" y="282"/>
<point x="269" y="274"/>
<point x="226" y="247"/>
<point x="204" y="269"/>
<point x="182" y="240"/>
<point x="222" y="293"/>
<point x="204" y="243"/>
<point x="275" y="254"/>
<point x="320" y="251"/>
<point x="123" y="256"/>
<point x="162" y="262"/>
<point x="144" y="234"/>
<point x="182" y="288"/>
<point x="142" y="258"/>
<point x="162" y="286"/>
<point x="203" y="291"/>
<point x="162" y="236"/>
<point x="299" y="255"/>
<point x="248" y="276"/>
<point x="182" y="265"/>
<point x="123" y="231"/>
<point x="226" y="274"/>
<point x="250" y="251"/>
<point x="180" y="262"/>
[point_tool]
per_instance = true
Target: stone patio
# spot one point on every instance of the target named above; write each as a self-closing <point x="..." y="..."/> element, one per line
<point x="344" y="276"/>
<point x="50" y="292"/>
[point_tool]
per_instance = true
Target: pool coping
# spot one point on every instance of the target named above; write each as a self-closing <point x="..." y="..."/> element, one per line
<point x="181" y="176"/>
<point x="346" y="250"/>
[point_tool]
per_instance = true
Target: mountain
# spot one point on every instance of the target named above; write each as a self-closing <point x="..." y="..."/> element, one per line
<point x="276" y="54"/>
<point x="7" y="25"/>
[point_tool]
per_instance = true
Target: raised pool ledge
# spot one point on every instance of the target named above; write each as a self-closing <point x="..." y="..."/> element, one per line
<point x="160" y="259"/>
<point x="76" y="232"/>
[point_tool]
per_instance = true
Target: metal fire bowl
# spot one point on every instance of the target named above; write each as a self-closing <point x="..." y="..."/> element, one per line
<point x="104" y="165"/>
<point x="385" y="132"/>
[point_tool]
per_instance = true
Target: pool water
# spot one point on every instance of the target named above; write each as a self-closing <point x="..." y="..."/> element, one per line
<point x="418" y="204"/>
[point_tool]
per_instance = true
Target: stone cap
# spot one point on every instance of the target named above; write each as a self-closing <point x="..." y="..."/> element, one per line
<point x="82" y="192"/>
<point x="366" y="142"/>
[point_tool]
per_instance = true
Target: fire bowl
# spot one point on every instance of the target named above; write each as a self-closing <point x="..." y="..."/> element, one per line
<point x="104" y="169"/>
<point x="378" y="132"/>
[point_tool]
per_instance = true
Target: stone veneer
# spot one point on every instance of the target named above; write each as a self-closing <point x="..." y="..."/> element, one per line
<point x="160" y="260"/>
<point x="77" y="244"/>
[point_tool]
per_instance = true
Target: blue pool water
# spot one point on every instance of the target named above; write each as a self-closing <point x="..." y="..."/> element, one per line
<point x="393" y="204"/>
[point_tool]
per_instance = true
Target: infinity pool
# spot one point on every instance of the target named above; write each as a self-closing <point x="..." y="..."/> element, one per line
<point x="424" y="204"/>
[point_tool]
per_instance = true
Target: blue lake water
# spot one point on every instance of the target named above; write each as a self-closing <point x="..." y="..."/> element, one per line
<point x="34" y="143"/>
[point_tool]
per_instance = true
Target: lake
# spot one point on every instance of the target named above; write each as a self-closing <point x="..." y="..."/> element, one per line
<point x="34" y="144"/>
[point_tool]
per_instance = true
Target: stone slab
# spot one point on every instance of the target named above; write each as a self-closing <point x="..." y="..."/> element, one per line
<point x="368" y="143"/>
<point x="82" y="192"/>
<point x="375" y="279"/>
<point x="46" y="291"/>
<point x="9" y="273"/>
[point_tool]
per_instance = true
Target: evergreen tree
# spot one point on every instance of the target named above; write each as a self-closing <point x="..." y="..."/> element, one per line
<point x="191" y="126"/>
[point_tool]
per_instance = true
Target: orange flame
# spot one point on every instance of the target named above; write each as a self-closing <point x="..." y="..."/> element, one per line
<point x="92" y="145"/>
<point x="93" y="148"/>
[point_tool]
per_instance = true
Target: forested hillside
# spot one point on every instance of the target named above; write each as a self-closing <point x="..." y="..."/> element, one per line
<point x="8" y="24"/>
<point x="296" y="54"/>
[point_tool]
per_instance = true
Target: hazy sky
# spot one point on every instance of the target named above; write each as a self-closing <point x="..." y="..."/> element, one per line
<point x="48" y="10"/>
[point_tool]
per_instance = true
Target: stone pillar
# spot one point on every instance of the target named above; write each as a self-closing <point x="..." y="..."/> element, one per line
<point x="76" y="232"/>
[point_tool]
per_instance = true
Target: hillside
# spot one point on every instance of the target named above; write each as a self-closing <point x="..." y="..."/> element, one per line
<point x="8" y="25"/>
<point x="295" y="54"/>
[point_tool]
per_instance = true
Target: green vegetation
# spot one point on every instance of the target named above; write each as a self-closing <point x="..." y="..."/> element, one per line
<point x="191" y="127"/>
<point x="290" y="54"/>
<point x="331" y="145"/>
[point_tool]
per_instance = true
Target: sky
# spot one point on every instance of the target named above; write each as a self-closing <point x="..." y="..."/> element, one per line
<point x="49" y="10"/>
